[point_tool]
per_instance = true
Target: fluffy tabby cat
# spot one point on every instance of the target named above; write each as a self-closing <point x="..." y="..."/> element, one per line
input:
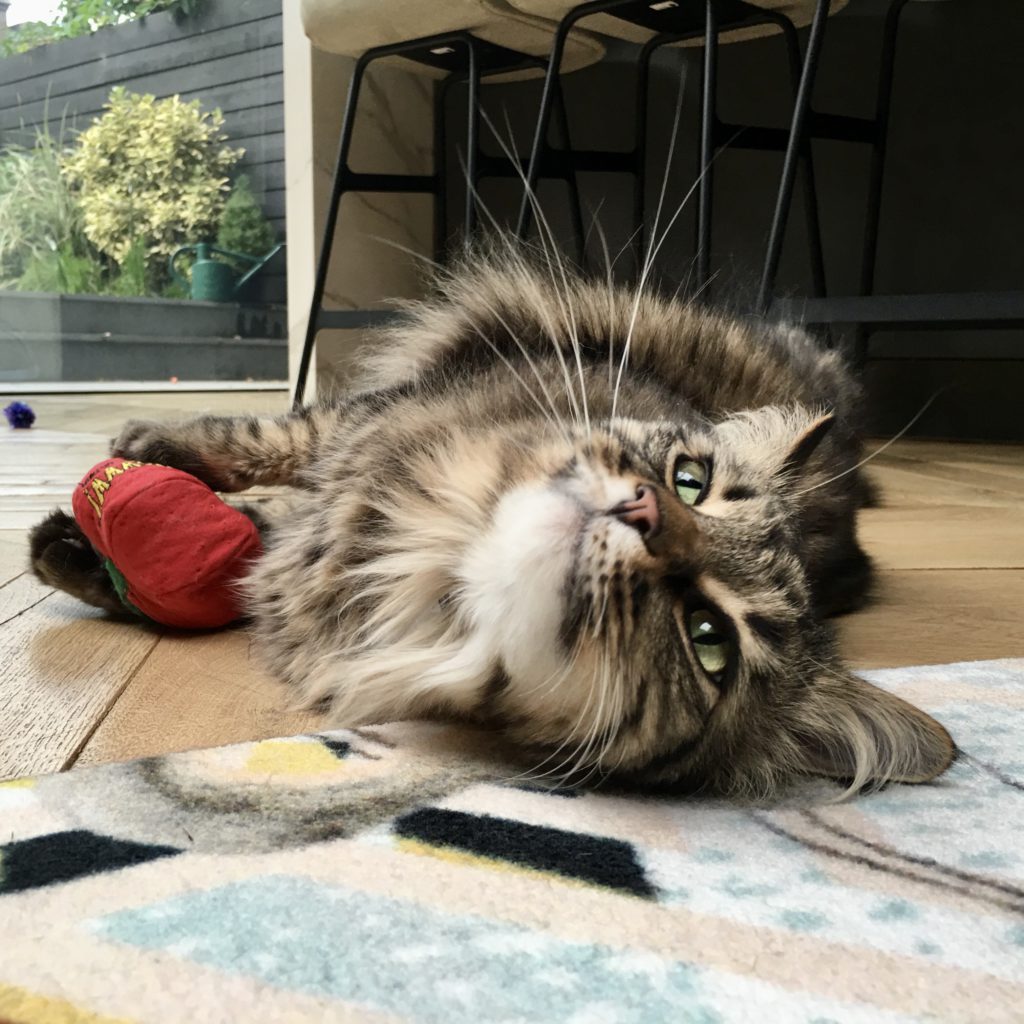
<point x="610" y="524"/>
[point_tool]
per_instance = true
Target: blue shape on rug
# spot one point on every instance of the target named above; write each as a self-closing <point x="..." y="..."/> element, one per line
<point x="408" y="959"/>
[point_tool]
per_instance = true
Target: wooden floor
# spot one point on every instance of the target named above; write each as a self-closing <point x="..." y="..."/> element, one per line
<point x="77" y="689"/>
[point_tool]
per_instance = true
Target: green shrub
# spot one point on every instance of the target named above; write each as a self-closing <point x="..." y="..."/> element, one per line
<point x="62" y="271"/>
<point x="150" y="171"/>
<point x="80" y="17"/>
<point x="41" y="222"/>
<point x="133" y="276"/>
<point x="243" y="228"/>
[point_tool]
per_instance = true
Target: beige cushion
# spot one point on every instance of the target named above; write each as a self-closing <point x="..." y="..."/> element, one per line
<point x="352" y="27"/>
<point x="800" y="12"/>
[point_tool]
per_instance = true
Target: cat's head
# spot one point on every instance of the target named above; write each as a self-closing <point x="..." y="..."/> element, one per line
<point x="632" y="599"/>
<point x="632" y="585"/>
<point x="644" y="596"/>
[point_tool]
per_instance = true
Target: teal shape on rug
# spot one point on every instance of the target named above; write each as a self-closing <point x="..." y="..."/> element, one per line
<point x="803" y="920"/>
<point x="894" y="910"/>
<point x="407" y="959"/>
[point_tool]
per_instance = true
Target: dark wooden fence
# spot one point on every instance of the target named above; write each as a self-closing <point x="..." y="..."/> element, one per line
<point x="227" y="56"/>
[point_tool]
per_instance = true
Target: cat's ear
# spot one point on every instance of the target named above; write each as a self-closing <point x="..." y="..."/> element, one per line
<point x="848" y="729"/>
<point x="806" y="442"/>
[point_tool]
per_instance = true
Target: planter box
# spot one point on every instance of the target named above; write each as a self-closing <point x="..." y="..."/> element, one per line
<point x="102" y="338"/>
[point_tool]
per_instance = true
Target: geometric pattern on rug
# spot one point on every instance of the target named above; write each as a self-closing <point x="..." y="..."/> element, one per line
<point x="407" y="872"/>
<point x="297" y="933"/>
<point x="575" y="855"/>
<point x="63" y="856"/>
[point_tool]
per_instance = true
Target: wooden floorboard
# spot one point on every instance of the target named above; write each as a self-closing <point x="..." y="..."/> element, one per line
<point x="40" y="467"/>
<point x="944" y="537"/>
<point x="13" y="554"/>
<point x="947" y="537"/>
<point x="64" y="666"/>
<point x="19" y="594"/>
<point x="922" y="617"/>
<point x="196" y="691"/>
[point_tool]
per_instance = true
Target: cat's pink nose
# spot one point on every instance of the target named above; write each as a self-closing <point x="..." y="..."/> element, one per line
<point x="642" y="513"/>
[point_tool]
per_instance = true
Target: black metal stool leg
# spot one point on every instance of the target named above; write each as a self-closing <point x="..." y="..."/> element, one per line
<point x="540" y="133"/>
<point x="643" y="85"/>
<point x="796" y="142"/>
<point x="324" y="260"/>
<point x="440" y="168"/>
<point x="819" y="285"/>
<point x="883" y="100"/>
<point x="571" y="180"/>
<point x="709" y="107"/>
<point x="472" y="137"/>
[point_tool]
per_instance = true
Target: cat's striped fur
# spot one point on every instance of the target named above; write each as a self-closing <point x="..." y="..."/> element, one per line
<point x="456" y="550"/>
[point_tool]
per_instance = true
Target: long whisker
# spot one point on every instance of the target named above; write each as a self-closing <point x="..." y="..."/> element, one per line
<point x="524" y="351"/>
<point x="594" y="214"/>
<point x="609" y="293"/>
<point x="502" y="234"/>
<point x="526" y="387"/>
<point x="647" y="268"/>
<point x="549" y="257"/>
<point x="649" y="257"/>
<point x="565" y="300"/>
<point x="553" y="255"/>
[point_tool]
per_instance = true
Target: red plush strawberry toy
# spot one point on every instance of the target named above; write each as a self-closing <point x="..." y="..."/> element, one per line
<point x="174" y="550"/>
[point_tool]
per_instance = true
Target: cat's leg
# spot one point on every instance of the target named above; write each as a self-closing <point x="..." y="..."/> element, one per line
<point x="231" y="453"/>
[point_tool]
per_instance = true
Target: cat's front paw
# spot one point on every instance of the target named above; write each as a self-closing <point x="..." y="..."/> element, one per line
<point x="148" y="441"/>
<point x="61" y="556"/>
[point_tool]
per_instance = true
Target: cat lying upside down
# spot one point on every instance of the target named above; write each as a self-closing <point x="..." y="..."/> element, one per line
<point x="610" y="524"/>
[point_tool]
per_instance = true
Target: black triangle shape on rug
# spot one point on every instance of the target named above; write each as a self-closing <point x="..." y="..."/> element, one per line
<point x="577" y="855"/>
<point x="63" y="856"/>
<point x="339" y="748"/>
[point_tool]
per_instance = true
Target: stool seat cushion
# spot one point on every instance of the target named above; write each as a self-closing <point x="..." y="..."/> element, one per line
<point x="352" y="27"/>
<point x="800" y="12"/>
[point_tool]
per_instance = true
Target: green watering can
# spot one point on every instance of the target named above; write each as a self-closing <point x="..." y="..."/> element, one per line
<point x="214" y="280"/>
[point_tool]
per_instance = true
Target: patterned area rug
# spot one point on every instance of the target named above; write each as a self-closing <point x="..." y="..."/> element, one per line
<point x="401" y="873"/>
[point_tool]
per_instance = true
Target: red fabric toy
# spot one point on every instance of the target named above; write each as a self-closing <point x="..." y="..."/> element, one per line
<point x="174" y="550"/>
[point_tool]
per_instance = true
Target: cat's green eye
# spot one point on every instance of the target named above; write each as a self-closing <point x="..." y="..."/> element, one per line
<point x="711" y="643"/>
<point x="690" y="479"/>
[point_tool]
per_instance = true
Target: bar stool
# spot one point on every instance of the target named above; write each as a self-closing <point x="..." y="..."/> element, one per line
<point x="870" y="312"/>
<point x="450" y="41"/>
<point x="659" y="23"/>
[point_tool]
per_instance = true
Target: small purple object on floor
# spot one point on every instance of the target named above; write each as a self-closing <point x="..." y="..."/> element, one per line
<point x="19" y="415"/>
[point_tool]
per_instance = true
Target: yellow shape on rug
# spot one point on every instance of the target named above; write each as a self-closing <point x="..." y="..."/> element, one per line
<point x="19" y="1006"/>
<point x="476" y="860"/>
<point x="292" y="757"/>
